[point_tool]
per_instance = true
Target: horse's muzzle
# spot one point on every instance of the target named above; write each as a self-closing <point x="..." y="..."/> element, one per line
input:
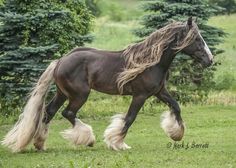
<point x="207" y="64"/>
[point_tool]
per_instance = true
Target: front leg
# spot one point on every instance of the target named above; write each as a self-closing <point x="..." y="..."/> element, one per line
<point x="115" y="133"/>
<point x="171" y="122"/>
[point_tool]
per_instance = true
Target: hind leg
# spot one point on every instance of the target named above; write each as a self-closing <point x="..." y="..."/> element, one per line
<point x="50" y="112"/>
<point x="81" y="133"/>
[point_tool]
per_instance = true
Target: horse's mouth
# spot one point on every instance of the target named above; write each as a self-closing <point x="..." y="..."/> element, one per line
<point x="205" y="64"/>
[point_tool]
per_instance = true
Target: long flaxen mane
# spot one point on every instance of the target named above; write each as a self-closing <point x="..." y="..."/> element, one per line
<point x="140" y="56"/>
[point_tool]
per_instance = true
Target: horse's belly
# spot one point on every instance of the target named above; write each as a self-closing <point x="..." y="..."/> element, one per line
<point x="104" y="83"/>
<point x="105" y="88"/>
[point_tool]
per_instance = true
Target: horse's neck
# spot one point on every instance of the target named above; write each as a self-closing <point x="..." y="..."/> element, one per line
<point x="167" y="58"/>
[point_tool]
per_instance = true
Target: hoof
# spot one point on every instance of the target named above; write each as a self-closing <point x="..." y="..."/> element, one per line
<point x="113" y="136"/>
<point x="39" y="146"/>
<point x="91" y="144"/>
<point x="173" y="128"/>
<point x="119" y="146"/>
<point x="40" y="137"/>
<point x="80" y="134"/>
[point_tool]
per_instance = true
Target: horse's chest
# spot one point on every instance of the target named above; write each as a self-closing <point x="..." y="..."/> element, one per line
<point x="150" y="83"/>
<point x="155" y="86"/>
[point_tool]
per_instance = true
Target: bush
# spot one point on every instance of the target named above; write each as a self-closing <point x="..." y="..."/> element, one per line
<point x="229" y="6"/>
<point x="32" y="33"/>
<point x="225" y="81"/>
<point x="93" y="7"/>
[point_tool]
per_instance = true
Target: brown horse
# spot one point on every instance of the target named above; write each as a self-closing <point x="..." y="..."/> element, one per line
<point x="140" y="71"/>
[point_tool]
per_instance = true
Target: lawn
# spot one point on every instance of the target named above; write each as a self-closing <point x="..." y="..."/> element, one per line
<point x="211" y="126"/>
<point x="227" y="69"/>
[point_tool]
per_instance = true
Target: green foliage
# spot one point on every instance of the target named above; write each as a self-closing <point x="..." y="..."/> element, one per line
<point x="188" y="81"/>
<point x="31" y="33"/>
<point x="229" y="6"/>
<point x="93" y="7"/>
<point x="225" y="81"/>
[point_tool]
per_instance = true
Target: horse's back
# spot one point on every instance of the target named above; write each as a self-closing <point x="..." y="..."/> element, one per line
<point x="88" y="66"/>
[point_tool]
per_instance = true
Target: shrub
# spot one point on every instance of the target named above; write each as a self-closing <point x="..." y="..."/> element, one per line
<point x="32" y="33"/>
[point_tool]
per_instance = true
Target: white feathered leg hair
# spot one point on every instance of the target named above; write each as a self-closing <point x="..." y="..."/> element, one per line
<point x="173" y="128"/>
<point x="80" y="134"/>
<point x="30" y="121"/>
<point x="113" y="136"/>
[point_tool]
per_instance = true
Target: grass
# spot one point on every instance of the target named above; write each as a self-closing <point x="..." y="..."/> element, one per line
<point x="112" y="35"/>
<point x="227" y="69"/>
<point x="212" y="125"/>
<point x="120" y="10"/>
<point x="225" y="76"/>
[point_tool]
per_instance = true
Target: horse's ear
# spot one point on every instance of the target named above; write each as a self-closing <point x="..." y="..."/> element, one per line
<point x="190" y="21"/>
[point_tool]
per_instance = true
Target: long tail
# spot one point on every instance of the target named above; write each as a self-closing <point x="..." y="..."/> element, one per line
<point x="31" y="118"/>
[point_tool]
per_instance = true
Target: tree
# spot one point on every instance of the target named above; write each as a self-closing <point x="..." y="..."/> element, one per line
<point x="32" y="33"/>
<point x="228" y="5"/>
<point x="93" y="7"/>
<point x="188" y="81"/>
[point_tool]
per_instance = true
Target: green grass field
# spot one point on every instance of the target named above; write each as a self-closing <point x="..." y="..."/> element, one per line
<point x="228" y="59"/>
<point x="212" y="124"/>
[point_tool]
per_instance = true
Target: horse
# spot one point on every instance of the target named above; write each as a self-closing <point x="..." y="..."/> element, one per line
<point x="140" y="71"/>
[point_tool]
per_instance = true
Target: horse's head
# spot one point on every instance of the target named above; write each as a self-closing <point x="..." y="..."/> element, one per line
<point x="197" y="48"/>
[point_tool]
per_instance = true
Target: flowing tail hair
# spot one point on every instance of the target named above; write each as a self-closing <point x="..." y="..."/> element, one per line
<point x="30" y="121"/>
